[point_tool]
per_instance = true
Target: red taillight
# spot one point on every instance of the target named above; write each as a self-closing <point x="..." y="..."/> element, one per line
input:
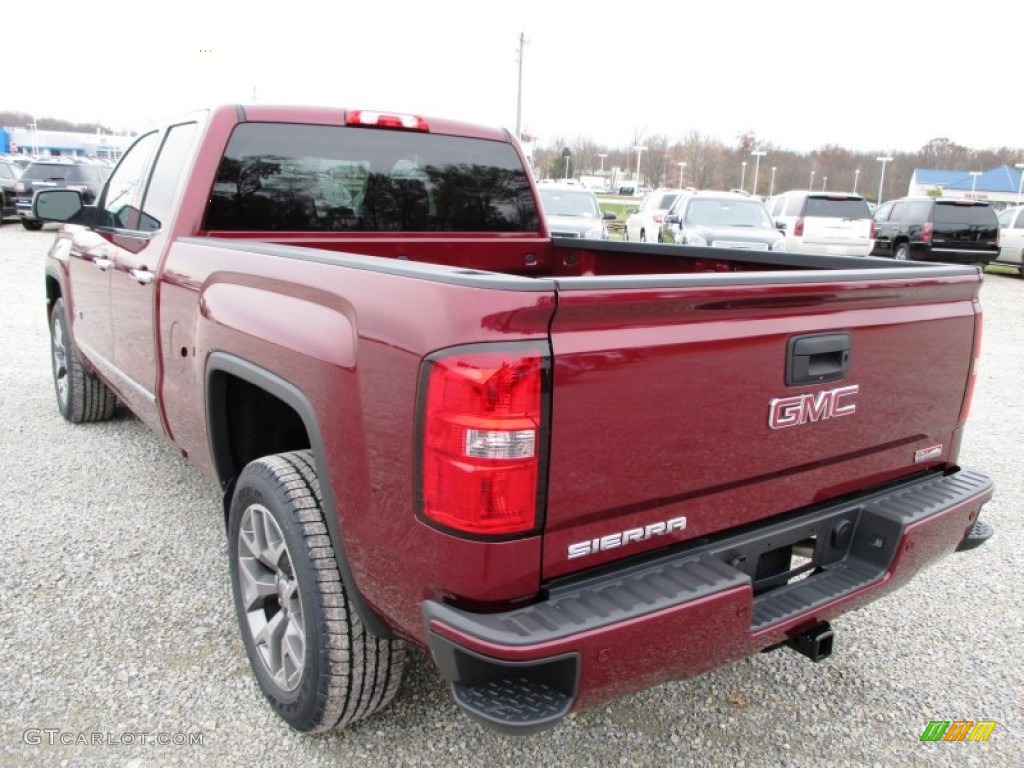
<point x="798" y="227"/>
<point x="874" y="230"/>
<point x="481" y="435"/>
<point x="972" y="377"/>
<point x="926" y="233"/>
<point x="386" y="120"/>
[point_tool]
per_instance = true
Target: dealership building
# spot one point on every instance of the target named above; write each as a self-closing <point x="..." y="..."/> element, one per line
<point x="37" y="143"/>
<point x="999" y="186"/>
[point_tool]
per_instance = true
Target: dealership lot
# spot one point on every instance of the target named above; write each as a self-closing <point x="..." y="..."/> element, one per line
<point x="119" y="631"/>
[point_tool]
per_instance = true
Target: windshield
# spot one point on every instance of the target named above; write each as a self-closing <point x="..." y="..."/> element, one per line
<point x="727" y="213"/>
<point x="569" y="202"/>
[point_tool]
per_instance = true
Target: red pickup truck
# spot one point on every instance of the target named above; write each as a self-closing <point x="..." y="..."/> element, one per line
<point x="566" y="469"/>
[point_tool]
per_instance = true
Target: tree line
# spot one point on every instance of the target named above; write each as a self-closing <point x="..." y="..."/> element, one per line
<point x="713" y="164"/>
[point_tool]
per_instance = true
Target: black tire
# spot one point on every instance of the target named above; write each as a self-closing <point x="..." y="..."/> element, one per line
<point x="344" y="673"/>
<point x="643" y="236"/>
<point x="33" y="225"/>
<point x="81" y="397"/>
<point x="902" y="252"/>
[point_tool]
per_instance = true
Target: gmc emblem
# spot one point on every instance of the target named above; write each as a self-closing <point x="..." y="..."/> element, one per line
<point x="800" y="409"/>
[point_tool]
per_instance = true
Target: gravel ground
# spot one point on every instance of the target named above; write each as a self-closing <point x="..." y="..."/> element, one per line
<point x="117" y="616"/>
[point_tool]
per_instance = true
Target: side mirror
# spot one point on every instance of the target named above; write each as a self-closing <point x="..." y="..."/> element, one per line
<point x="672" y="218"/>
<point x="780" y="225"/>
<point x="57" y="204"/>
<point x="610" y="216"/>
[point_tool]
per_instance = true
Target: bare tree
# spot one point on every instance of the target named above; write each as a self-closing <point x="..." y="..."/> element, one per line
<point x="701" y="152"/>
<point x="655" y="161"/>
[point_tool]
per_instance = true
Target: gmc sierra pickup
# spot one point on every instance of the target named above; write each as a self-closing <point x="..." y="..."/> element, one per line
<point x="565" y="469"/>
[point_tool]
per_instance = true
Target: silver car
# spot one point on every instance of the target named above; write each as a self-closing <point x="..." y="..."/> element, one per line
<point x="572" y="211"/>
<point x="721" y="220"/>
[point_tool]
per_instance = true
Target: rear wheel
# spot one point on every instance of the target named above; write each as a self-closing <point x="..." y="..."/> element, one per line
<point x="311" y="654"/>
<point x="643" y="236"/>
<point x="32" y="224"/>
<point x="902" y="252"/>
<point x="81" y="397"/>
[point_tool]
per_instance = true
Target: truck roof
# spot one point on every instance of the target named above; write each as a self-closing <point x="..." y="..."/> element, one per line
<point x="338" y="116"/>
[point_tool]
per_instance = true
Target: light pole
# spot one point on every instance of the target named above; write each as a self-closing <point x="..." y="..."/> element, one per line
<point x="771" y="187"/>
<point x="682" y="167"/>
<point x="856" y="176"/>
<point x="602" y="162"/>
<point x="811" y="185"/>
<point x="1019" y="167"/>
<point x="758" y="153"/>
<point x="743" y="175"/>
<point x="567" y="167"/>
<point x="974" y="180"/>
<point x="881" y="179"/>
<point x="638" y="149"/>
<point x="824" y="183"/>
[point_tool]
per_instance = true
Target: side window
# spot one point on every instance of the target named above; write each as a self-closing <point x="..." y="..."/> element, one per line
<point x="1020" y="219"/>
<point x="899" y="212"/>
<point x="167" y="173"/>
<point x="794" y="206"/>
<point x="919" y="213"/>
<point x="882" y="214"/>
<point x="124" y="192"/>
<point x="1006" y="218"/>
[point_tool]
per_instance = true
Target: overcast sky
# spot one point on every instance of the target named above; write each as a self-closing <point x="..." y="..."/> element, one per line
<point x="885" y="75"/>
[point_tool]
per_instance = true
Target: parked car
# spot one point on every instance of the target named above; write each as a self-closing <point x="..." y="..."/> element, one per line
<point x="721" y="220"/>
<point x="9" y="174"/>
<point x="83" y="175"/>
<point x="937" y="229"/>
<point x="1011" y="238"/>
<point x="572" y="211"/>
<point x="835" y="223"/>
<point x="644" y="222"/>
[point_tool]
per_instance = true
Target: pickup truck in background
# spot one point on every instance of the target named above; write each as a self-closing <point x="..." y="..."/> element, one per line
<point x="566" y="469"/>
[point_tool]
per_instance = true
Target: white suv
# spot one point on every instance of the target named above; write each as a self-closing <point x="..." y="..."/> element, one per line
<point x="833" y="223"/>
<point x="643" y="224"/>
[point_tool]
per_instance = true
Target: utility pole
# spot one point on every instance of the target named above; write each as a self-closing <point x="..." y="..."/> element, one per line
<point x="519" y="93"/>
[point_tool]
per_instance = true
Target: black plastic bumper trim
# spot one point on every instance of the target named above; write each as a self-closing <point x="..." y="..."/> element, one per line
<point x="844" y="561"/>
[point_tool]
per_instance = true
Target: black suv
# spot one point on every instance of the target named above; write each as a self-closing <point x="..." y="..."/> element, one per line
<point x="9" y="175"/>
<point x="937" y="229"/>
<point x="85" y="176"/>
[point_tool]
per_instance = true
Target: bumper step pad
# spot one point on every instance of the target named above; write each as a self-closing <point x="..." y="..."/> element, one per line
<point x="980" y="533"/>
<point x="513" y="704"/>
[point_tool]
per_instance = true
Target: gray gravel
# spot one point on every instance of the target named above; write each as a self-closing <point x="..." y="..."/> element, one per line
<point x="117" y="616"/>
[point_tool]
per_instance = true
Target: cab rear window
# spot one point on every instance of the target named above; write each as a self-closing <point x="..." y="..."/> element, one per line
<point x="291" y="177"/>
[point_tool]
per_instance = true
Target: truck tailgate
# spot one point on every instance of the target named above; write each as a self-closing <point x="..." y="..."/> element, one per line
<point x="663" y="398"/>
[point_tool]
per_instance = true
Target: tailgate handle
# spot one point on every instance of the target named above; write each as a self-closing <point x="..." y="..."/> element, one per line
<point x="817" y="357"/>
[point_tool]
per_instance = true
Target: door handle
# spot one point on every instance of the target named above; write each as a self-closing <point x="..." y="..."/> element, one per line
<point x="141" y="276"/>
<point x="817" y="357"/>
<point x="102" y="263"/>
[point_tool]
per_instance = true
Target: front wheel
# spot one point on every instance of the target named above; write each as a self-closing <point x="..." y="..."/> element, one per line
<point x="311" y="654"/>
<point x="33" y="225"/>
<point x="902" y="252"/>
<point x="81" y="397"/>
